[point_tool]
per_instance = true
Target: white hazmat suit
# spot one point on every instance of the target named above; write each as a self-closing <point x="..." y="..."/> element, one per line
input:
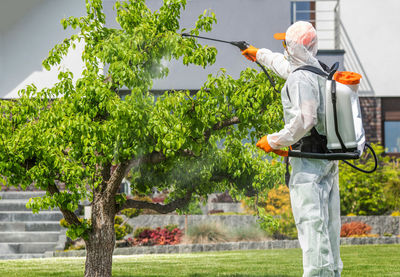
<point x="314" y="184"/>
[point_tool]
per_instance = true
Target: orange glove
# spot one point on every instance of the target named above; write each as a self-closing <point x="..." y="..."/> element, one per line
<point x="264" y="145"/>
<point x="250" y="53"/>
<point x="282" y="153"/>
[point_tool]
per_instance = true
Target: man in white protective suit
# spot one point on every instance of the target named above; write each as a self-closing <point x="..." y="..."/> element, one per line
<point x="314" y="188"/>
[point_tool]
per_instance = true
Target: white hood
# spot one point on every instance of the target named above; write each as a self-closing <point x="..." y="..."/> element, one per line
<point x="301" y="44"/>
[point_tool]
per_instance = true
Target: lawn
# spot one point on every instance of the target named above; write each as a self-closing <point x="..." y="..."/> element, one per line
<point x="368" y="260"/>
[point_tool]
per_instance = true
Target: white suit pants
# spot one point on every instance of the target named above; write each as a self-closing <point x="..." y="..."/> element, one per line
<point x="314" y="195"/>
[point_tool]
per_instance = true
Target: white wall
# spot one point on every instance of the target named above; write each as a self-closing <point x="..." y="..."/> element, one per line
<point x="325" y="23"/>
<point x="373" y="30"/>
<point x="27" y="42"/>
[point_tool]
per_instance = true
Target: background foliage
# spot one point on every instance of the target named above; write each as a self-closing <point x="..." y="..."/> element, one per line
<point x="370" y="194"/>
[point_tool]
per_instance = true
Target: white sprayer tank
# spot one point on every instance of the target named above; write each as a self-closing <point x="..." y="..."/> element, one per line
<point x="348" y="112"/>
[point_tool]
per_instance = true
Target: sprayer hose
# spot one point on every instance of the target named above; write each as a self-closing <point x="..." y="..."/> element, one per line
<point x="363" y="170"/>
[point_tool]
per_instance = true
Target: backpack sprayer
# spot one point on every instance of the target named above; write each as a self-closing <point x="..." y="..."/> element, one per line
<point x="345" y="139"/>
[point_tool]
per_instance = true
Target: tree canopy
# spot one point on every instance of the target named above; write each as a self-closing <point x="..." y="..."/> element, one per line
<point x="77" y="140"/>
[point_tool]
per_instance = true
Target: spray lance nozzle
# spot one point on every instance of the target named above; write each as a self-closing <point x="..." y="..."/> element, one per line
<point x="242" y="45"/>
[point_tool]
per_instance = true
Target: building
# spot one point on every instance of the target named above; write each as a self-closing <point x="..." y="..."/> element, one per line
<point x="357" y="33"/>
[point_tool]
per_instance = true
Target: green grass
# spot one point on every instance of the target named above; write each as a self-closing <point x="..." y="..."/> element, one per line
<point x="368" y="260"/>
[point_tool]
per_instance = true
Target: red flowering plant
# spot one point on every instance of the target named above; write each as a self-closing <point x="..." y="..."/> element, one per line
<point x="158" y="236"/>
<point x="355" y="229"/>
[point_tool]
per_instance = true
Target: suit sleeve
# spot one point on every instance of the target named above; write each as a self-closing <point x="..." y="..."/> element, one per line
<point x="302" y="114"/>
<point x="274" y="61"/>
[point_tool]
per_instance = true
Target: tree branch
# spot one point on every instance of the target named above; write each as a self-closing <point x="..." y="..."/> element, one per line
<point x="69" y="216"/>
<point x="153" y="158"/>
<point x="220" y="125"/>
<point x="112" y="185"/>
<point x="167" y="208"/>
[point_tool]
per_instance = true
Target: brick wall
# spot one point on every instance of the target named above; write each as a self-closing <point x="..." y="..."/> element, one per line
<point x="371" y="108"/>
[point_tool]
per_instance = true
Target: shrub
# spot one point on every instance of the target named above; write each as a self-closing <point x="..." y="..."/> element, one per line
<point x="64" y="223"/>
<point x="286" y="228"/>
<point x="130" y="213"/>
<point x="355" y="228"/>
<point x="392" y="187"/>
<point x="121" y="228"/>
<point x="395" y="213"/>
<point x="206" y="233"/>
<point x="158" y="236"/>
<point x="171" y="227"/>
<point x="278" y="201"/>
<point x="140" y="230"/>
<point x="120" y="231"/>
<point x="276" y="213"/>
<point x="370" y="194"/>
<point x="118" y="220"/>
<point x="194" y="208"/>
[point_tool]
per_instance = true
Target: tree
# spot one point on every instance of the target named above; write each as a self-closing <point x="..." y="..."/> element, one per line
<point x="78" y="140"/>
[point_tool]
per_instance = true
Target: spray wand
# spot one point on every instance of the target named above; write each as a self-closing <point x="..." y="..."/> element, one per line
<point x="242" y="45"/>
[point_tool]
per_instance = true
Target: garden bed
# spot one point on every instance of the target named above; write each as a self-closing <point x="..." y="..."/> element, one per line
<point x="381" y="225"/>
<point x="227" y="246"/>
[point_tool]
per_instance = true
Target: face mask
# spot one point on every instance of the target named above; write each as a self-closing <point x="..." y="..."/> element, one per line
<point x="302" y="52"/>
<point x="286" y="55"/>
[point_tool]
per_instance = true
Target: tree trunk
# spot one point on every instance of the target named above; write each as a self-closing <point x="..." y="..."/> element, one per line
<point x="101" y="240"/>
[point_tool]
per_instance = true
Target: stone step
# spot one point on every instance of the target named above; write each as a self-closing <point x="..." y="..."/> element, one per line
<point x="26" y="248"/>
<point x="17" y="205"/>
<point x="29" y="216"/>
<point x="41" y="226"/>
<point x="18" y="237"/>
<point x="21" y="194"/>
<point x="20" y="256"/>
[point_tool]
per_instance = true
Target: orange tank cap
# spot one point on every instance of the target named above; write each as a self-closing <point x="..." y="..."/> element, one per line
<point x="347" y="77"/>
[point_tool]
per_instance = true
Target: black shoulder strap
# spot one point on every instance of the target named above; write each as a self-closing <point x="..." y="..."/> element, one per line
<point x="310" y="68"/>
<point x="313" y="70"/>
<point x="324" y="66"/>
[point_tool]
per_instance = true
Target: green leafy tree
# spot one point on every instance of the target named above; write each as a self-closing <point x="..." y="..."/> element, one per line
<point x="77" y="140"/>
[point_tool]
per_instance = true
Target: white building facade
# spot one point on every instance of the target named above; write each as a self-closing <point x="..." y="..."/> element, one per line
<point x="358" y="33"/>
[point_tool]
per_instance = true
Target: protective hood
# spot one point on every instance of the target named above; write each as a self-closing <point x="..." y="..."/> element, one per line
<point x="301" y="44"/>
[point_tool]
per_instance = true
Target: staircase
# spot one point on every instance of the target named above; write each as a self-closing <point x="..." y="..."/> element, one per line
<point x="25" y="235"/>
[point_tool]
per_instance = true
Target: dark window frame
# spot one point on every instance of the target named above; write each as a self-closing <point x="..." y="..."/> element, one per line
<point x="390" y="111"/>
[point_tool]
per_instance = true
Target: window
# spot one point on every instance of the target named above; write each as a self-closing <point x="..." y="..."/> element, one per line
<point x="303" y="11"/>
<point x="392" y="136"/>
<point x="391" y="124"/>
<point x="323" y="15"/>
